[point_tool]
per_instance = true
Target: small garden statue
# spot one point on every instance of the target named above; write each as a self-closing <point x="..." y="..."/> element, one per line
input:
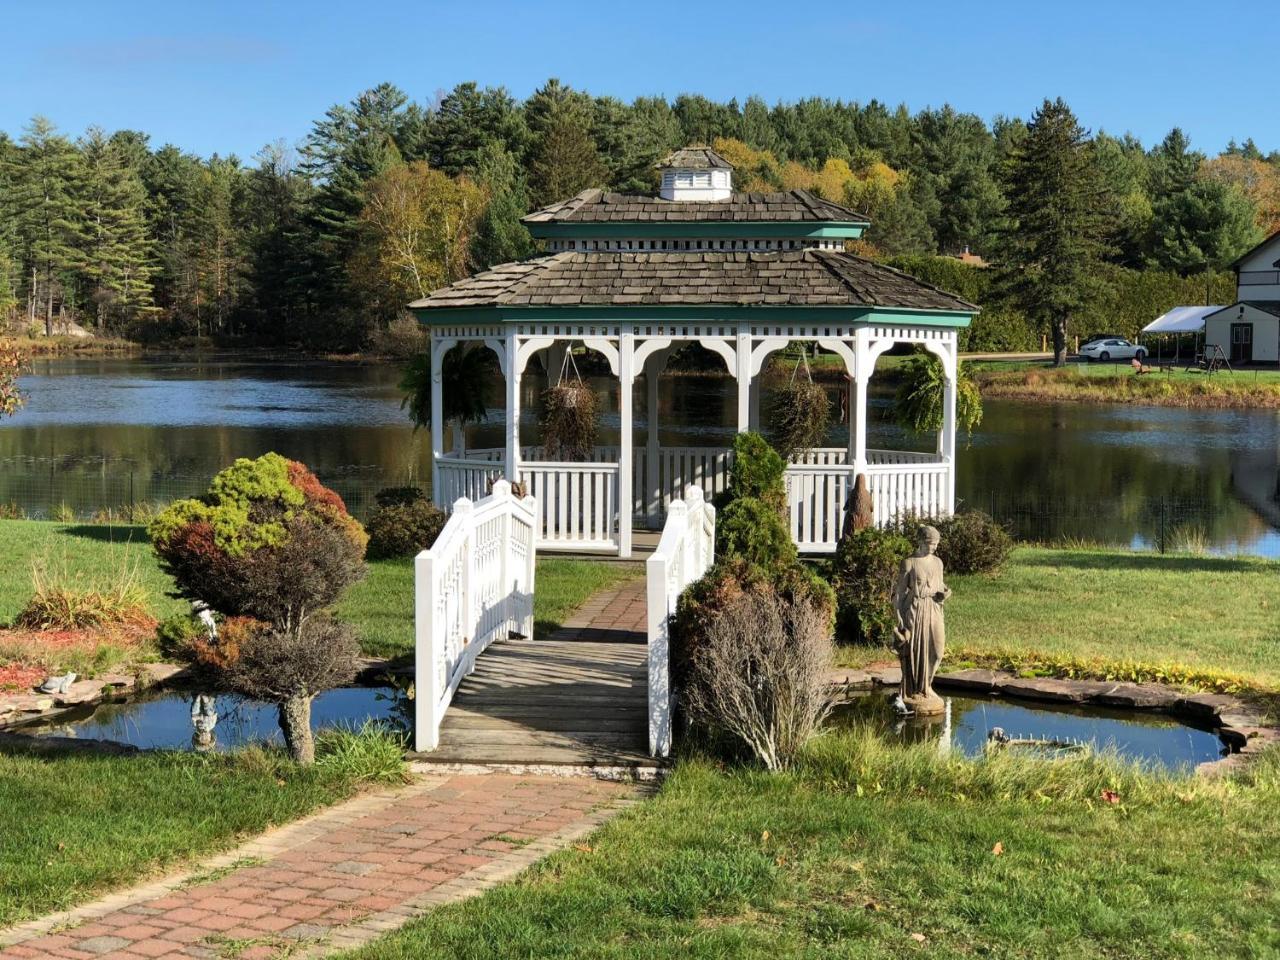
<point x="919" y="634"/>
<point x="204" y="717"/>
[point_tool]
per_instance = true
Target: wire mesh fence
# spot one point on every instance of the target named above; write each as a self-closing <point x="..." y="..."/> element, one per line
<point x="122" y="490"/>
<point x="73" y="489"/>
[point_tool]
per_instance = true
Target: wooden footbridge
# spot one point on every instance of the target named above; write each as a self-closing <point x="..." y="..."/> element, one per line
<point x="491" y="691"/>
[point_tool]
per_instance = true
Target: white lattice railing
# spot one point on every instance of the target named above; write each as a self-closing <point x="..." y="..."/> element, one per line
<point x="685" y="551"/>
<point x="577" y="504"/>
<point x="472" y="587"/>
<point x="579" y="501"/>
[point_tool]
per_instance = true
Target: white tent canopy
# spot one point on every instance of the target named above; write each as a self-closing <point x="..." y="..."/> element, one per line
<point x="1181" y="320"/>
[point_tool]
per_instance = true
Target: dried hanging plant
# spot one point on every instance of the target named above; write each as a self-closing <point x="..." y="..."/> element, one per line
<point x="800" y="414"/>
<point x="569" y="417"/>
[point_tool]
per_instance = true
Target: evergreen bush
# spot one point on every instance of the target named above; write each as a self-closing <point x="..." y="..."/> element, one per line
<point x="972" y="543"/>
<point x="404" y="524"/>
<point x="753" y="530"/>
<point x="862" y="573"/>
<point x="757" y="471"/>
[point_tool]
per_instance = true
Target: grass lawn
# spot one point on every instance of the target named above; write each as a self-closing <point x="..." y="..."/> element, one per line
<point x="73" y="825"/>
<point x="1179" y="615"/>
<point x="381" y="606"/>
<point x="872" y="851"/>
<point x="1116" y="383"/>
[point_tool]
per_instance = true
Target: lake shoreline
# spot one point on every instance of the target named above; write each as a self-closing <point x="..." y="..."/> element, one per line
<point x="1221" y="391"/>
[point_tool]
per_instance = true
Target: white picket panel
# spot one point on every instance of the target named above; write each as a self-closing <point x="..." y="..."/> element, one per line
<point x="577" y="504"/>
<point x="684" y="553"/>
<point x="472" y="587"/>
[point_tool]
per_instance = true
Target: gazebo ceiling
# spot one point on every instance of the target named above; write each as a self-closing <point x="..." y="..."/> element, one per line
<point x="776" y="278"/>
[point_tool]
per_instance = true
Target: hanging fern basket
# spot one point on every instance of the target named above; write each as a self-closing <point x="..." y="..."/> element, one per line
<point x="570" y="417"/>
<point x="800" y="414"/>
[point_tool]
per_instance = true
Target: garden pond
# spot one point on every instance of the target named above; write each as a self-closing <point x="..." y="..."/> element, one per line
<point x="1152" y="739"/>
<point x="174" y="719"/>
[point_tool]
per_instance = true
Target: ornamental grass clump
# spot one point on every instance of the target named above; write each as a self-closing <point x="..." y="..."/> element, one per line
<point x="62" y="600"/>
<point x="271" y="550"/>
<point x="758" y="677"/>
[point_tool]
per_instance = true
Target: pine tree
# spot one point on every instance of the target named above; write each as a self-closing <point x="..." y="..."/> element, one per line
<point x="468" y="120"/>
<point x="1058" y="225"/>
<point x="47" y="218"/>
<point x="500" y="236"/>
<point x="115" y="249"/>
<point x="564" y="159"/>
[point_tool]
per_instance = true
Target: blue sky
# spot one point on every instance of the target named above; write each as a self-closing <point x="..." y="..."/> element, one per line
<point x="231" y="76"/>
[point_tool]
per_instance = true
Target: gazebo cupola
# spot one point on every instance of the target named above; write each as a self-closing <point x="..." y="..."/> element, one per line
<point x="696" y="173"/>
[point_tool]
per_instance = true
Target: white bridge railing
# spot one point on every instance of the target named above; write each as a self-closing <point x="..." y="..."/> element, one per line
<point x="472" y="587"/>
<point x="685" y="551"/>
<point x="579" y="509"/>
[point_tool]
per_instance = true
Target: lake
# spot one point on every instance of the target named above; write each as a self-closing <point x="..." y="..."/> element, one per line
<point x="105" y="431"/>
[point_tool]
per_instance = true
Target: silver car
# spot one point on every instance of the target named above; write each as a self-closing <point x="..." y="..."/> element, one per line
<point x="1112" y="348"/>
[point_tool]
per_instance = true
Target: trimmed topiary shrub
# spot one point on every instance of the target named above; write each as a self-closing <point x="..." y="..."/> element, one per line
<point x="972" y="543"/>
<point x="757" y="471"/>
<point x="862" y="573"/>
<point x="271" y="549"/>
<point x="753" y="530"/>
<point x="404" y="524"/>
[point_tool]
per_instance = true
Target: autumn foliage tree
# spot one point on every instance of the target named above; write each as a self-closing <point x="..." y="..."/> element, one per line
<point x="11" y="362"/>
<point x="416" y="229"/>
<point x="271" y="549"/>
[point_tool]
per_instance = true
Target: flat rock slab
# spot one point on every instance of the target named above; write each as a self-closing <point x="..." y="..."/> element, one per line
<point x="976" y="679"/>
<point x="849" y="678"/>
<point x="1149" y="696"/>
<point x="1206" y="707"/>
<point x="885" y="676"/>
<point x="1043" y="688"/>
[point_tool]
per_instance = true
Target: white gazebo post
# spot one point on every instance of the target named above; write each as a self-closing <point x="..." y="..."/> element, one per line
<point x="626" y="450"/>
<point x="652" y="494"/>
<point x="864" y="365"/>
<point x="742" y="362"/>
<point x="510" y="363"/>
<point x="947" y="435"/>
<point x="438" y="349"/>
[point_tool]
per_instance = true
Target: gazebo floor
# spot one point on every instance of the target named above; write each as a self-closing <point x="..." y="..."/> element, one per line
<point x="552" y="702"/>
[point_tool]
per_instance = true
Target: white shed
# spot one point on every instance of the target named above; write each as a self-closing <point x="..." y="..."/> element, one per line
<point x="1247" y="331"/>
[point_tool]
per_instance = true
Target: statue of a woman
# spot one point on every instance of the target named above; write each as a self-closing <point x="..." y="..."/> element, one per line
<point x="919" y="635"/>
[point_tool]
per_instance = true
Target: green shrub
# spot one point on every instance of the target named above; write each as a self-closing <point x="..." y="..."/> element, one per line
<point x="399" y="496"/>
<point x="176" y="636"/>
<point x="757" y="471"/>
<point x="973" y="543"/>
<point x="403" y="529"/>
<point x="862" y="573"/>
<point x="754" y="531"/>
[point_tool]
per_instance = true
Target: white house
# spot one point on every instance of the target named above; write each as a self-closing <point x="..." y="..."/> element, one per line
<point x="1248" y="331"/>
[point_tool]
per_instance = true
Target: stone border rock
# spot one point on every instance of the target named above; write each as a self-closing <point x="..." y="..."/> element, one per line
<point x="23" y="708"/>
<point x="1237" y="722"/>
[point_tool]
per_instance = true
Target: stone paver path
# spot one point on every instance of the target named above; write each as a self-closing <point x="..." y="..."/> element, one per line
<point x="337" y="879"/>
<point x="618" y="614"/>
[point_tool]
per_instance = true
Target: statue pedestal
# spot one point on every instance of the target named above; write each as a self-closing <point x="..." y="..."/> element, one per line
<point x="925" y="704"/>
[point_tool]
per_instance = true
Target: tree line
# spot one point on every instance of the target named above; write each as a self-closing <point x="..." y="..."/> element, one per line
<point x="387" y="198"/>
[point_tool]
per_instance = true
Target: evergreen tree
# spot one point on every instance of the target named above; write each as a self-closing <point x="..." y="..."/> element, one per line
<point x="469" y="119"/>
<point x="280" y="310"/>
<point x="564" y="159"/>
<point x="1058" y="226"/>
<point x="9" y="267"/>
<point x="500" y="236"/>
<point x="115" y="249"/>
<point x="48" y="221"/>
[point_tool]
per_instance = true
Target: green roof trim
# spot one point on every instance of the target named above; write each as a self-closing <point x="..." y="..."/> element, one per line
<point x="669" y="313"/>
<point x="697" y="229"/>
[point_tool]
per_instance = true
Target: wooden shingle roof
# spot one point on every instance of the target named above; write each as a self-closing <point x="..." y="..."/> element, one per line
<point x="778" y="278"/>
<point x="695" y="158"/>
<point x="596" y="206"/>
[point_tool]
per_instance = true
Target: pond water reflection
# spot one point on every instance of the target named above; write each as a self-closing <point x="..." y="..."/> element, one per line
<point x="104" y="431"/>
<point x="1144" y="737"/>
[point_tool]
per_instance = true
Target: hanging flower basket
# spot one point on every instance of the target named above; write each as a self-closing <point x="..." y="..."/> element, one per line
<point x="800" y="414"/>
<point x="570" y="418"/>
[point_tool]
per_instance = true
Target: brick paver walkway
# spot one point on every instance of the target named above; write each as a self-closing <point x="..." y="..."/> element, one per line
<point x="619" y="614"/>
<point x="337" y="879"/>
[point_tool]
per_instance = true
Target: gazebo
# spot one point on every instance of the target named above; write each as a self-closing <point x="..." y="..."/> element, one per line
<point x="741" y="274"/>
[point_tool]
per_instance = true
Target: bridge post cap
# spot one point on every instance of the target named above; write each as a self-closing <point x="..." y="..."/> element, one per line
<point x="463" y="505"/>
<point x="502" y="488"/>
<point x="678" y="508"/>
<point x="693" y="494"/>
